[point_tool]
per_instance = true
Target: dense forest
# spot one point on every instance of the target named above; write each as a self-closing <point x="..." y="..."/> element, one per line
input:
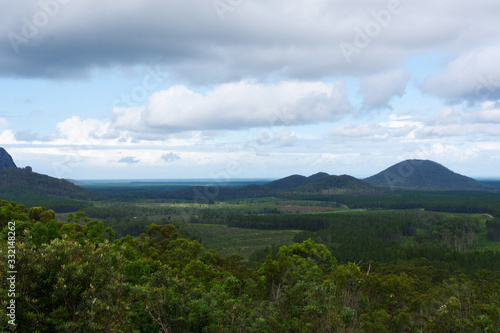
<point x="78" y="276"/>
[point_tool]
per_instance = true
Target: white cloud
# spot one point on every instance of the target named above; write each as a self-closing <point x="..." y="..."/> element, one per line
<point x="488" y="113"/>
<point x="395" y="127"/>
<point x="484" y="121"/>
<point x="285" y="138"/>
<point x="7" y="136"/>
<point x="239" y="105"/>
<point x="356" y="131"/>
<point x="451" y="152"/>
<point x="377" y="90"/>
<point x="474" y="76"/>
<point x="82" y="132"/>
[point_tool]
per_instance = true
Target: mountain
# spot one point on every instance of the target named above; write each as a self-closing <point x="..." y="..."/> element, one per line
<point x="33" y="189"/>
<point x="25" y="179"/>
<point x="317" y="176"/>
<point x="343" y="184"/>
<point x="287" y="182"/>
<point x="6" y="160"/>
<point x="294" y="181"/>
<point x="321" y="183"/>
<point x="423" y="175"/>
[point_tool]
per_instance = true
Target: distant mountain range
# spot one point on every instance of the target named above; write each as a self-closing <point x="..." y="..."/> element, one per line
<point x="408" y="175"/>
<point x="321" y="183"/>
<point x="423" y="175"/>
<point x="295" y="181"/>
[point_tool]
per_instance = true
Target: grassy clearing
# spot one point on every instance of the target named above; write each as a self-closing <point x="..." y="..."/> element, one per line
<point x="484" y="243"/>
<point x="252" y="206"/>
<point x="226" y="240"/>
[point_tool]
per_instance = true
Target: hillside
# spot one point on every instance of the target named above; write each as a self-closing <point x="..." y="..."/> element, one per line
<point x="6" y="160"/>
<point x="423" y="175"/>
<point x="26" y="180"/>
<point x="287" y="182"/>
<point x="321" y="183"/>
<point x="343" y="184"/>
<point x="294" y="181"/>
<point x="18" y="183"/>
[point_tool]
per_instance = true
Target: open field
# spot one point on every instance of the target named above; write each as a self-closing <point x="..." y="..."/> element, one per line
<point x="227" y="240"/>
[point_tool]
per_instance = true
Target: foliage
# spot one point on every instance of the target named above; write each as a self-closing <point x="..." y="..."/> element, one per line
<point x="493" y="229"/>
<point x="75" y="277"/>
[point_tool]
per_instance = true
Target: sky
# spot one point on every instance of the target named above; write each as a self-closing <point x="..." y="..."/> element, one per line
<point x="228" y="89"/>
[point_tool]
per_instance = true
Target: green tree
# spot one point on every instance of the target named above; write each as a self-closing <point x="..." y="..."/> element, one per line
<point x="66" y="286"/>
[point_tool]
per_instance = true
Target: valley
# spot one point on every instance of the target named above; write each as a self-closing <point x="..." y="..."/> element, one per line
<point x="361" y="257"/>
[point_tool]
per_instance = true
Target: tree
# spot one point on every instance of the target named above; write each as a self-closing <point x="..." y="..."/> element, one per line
<point x="71" y="286"/>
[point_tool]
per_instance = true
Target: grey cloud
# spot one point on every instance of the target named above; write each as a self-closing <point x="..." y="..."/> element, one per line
<point x="128" y="160"/>
<point x="487" y="116"/>
<point x="377" y="90"/>
<point x="252" y="41"/>
<point x="26" y="136"/>
<point x="170" y="157"/>
<point x="472" y="77"/>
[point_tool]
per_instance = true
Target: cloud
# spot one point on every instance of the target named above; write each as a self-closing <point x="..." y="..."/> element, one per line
<point x="488" y="113"/>
<point x="89" y="132"/>
<point x="400" y="127"/>
<point x="234" y="106"/>
<point x="377" y="90"/>
<point x="170" y="157"/>
<point x="128" y="160"/>
<point x="480" y="124"/>
<point x="26" y="136"/>
<point x="7" y="136"/>
<point x="196" y="46"/>
<point x="254" y="71"/>
<point x="357" y="131"/>
<point x="472" y="77"/>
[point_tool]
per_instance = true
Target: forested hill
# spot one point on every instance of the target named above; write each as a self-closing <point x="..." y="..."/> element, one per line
<point x="26" y="180"/>
<point x="423" y="175"/>
<point x="6" y="160"/>
<point x="343" y="184"/>
<point x="295" y="181"/>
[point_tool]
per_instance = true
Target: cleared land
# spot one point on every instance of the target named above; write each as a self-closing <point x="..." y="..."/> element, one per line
<point x="227" y="240"/>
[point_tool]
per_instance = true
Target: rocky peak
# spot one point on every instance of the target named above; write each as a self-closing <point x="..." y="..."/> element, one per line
<point x="6" y="160"/>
